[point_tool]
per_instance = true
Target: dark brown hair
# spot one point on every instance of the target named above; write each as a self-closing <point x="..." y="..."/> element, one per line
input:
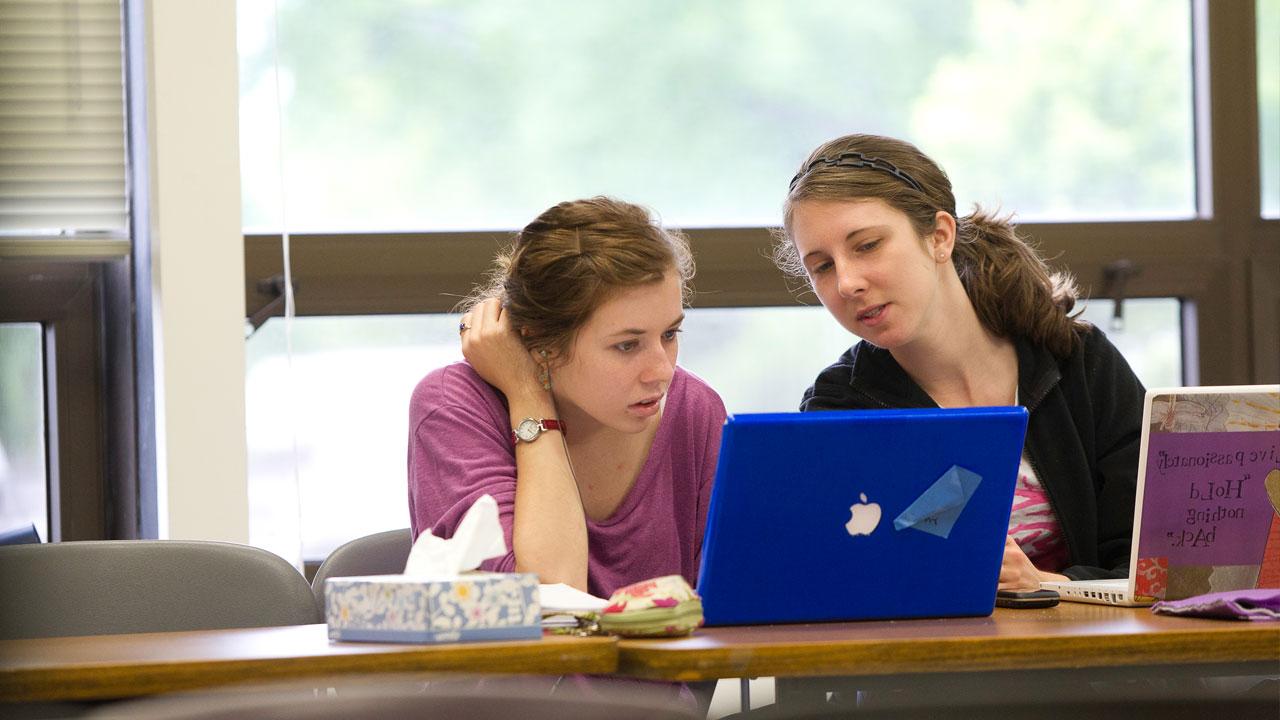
<point x="567" y="262"/>
<point x="1012" y="289"/>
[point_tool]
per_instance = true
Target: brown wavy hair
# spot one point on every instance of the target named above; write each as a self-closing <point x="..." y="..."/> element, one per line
<point x="1011" y="287"/>
<point x="571" y="258"/>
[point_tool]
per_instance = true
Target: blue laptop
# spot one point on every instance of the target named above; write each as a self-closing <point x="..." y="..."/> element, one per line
<point x="859" y="515"/>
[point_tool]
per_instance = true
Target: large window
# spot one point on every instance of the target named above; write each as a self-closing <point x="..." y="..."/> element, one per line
<point x="417" y="134"/>
<point x="466" y="114"/>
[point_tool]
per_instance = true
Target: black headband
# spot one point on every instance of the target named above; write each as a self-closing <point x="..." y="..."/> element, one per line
<point x="857" y="160"/>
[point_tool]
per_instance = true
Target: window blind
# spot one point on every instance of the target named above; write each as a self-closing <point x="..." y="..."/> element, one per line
<point x="62" y="124"/>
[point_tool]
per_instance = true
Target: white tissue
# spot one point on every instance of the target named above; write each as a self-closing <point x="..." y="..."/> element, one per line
<point x="478" y="538"/>
<point x="558" y="597"/>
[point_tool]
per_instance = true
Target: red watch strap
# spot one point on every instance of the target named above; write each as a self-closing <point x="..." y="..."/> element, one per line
<point x="546" y="423"/>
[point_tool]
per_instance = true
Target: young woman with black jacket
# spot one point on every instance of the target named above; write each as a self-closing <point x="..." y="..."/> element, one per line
<point x="961" y="312"/>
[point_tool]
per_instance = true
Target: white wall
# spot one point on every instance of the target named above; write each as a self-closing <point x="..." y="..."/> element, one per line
<point x="197" y="269"/>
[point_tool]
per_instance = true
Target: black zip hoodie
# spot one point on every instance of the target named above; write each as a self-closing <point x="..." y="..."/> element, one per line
<point x="1082" y="435"/>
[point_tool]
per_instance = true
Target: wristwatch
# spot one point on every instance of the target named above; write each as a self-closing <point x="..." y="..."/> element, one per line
<point x="529" y="429"/>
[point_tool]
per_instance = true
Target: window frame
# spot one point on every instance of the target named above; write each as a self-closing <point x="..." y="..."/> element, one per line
<point x="90" y="442"/>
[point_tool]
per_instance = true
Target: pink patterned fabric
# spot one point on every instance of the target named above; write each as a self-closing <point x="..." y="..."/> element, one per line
<point x="663" y="592"/>
<point x="1153" y="577"/>
<point x="662" y="607"/>
<point x="1033" y="524"/>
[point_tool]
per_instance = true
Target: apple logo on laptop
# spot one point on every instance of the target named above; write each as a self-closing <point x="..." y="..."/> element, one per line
<point x="863" y="517"/>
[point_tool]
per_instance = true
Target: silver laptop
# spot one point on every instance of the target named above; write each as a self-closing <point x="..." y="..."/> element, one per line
<point x="1208" y="495"/>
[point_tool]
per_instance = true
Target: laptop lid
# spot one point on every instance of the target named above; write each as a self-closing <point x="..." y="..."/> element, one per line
<point x="859" y="514"/>
<point x="1205" y="519"/>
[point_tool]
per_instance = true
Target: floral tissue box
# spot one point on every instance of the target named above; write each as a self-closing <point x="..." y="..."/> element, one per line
<point x="402" y="608"/>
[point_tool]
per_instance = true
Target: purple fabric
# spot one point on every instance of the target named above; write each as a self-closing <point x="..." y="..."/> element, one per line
<point x="1231" y="605"/>
<point x="460" y="449"/>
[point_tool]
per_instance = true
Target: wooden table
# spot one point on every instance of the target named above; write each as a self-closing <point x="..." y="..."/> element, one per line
<point x="1071" y="636"/>
<point x="118" y="666"/>
<point x="1071" y="639"/>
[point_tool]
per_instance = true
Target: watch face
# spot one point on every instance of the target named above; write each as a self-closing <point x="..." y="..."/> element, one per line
<point x="528" y="429"/>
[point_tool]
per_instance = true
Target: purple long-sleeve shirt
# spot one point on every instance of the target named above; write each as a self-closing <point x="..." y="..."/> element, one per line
<point x="460" y="448"/>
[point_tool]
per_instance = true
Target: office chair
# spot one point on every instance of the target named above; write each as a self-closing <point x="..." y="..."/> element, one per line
<point x="396" y="697"/>
<point x="1054" y="694"/>
<point x="382" y="553"/>
<point x="122" y="586"/>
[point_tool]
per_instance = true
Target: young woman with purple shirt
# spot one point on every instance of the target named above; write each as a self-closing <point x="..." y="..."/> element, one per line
<point x="569" y="408"/>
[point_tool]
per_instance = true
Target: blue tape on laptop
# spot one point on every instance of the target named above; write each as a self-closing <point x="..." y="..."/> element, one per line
<point x="859" y="515"/>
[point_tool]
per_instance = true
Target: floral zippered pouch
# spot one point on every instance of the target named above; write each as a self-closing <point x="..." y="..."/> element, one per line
<point x="662" y="607"/>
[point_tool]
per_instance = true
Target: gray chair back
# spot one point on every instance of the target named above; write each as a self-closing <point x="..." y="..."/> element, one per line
<point x="381" y="553"/>
<point x="122" y="586"/>
<point x="415" y="698"/>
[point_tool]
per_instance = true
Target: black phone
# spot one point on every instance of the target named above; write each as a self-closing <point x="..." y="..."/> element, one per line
<point x="1027" y="599"/>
